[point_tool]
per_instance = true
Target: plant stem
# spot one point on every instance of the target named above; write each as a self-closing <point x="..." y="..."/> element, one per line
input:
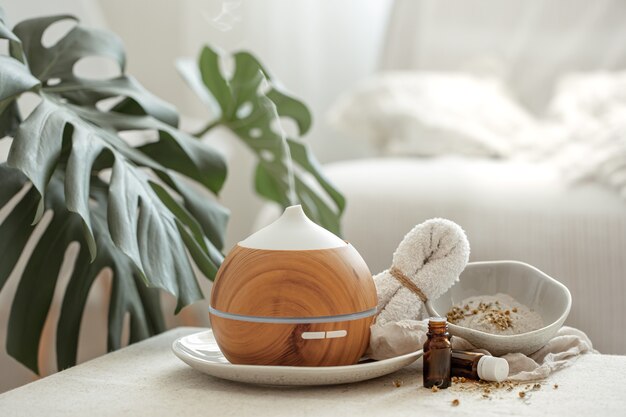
<point x="208" y="127"/>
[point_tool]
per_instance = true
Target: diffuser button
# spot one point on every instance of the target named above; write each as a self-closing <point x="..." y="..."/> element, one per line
<point x="336" y="333"/>
<point x="313" y="335"/>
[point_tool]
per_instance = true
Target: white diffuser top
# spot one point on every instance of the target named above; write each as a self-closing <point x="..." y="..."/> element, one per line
<point x="292" y="231"/>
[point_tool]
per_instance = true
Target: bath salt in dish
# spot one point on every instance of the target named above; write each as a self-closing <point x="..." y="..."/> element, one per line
<point x="496" y="314"/>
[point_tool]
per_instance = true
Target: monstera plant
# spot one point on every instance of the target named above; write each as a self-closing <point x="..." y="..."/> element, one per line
<point x="71" y="176"/>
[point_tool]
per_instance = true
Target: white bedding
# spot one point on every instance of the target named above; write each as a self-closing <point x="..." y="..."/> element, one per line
<point x="583" y="134"/>
<point x="429" y="113"/>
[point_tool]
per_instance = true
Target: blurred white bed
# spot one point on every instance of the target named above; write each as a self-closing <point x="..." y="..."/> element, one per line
<point x="529" y="159"/>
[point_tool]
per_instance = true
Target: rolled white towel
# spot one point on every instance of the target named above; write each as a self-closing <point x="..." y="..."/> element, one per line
<point x="427" y="262"/>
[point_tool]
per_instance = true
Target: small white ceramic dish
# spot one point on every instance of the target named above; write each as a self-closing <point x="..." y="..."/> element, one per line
<point x="528" y="285"/>
<point x="200" y="351"/>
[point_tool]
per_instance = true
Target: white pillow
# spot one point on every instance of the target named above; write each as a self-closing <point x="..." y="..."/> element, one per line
<point x="426" y="114"/>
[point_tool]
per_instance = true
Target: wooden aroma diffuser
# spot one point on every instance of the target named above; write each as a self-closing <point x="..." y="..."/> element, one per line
<point x="293" y="294"/>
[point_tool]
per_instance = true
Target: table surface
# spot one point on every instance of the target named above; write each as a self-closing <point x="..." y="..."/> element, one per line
<point x="146" y="379"/>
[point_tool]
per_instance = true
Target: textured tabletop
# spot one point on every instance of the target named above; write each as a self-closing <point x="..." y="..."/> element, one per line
<point x="146" y="379"/>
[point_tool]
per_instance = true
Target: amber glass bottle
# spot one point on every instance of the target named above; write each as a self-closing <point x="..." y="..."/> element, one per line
<point x="475" y="365"/>
<point x="437" y="354"/>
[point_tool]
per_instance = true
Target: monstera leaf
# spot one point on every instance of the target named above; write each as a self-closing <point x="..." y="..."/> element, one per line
<point x="32" y="300"/>
<point x="251" y="104"/>
<point x="130" y="208"/>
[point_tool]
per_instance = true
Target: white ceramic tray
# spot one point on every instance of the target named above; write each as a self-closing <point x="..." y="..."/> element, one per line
<point x="200" y="351"/>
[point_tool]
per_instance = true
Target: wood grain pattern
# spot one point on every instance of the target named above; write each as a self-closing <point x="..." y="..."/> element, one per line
<point x="282" y="344"/>
<point x="309" y="283"/>
<point x="272" y="283"/>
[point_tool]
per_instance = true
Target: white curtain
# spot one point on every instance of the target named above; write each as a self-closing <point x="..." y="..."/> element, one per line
<point x="86" y="10"/>
<point x="528" y="43"/>
<point x="316" y="48"/>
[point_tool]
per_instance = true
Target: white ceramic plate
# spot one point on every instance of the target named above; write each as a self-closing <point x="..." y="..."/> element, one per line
<point x="200" y="351"/>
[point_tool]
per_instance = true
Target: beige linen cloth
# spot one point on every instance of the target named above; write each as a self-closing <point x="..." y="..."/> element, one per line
<point x="404" y="336"/>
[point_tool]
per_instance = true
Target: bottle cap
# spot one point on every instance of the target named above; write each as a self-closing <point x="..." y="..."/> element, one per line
<point x="493" y="369"/>
<point x="293" y="231"/>
<point x="436" y="320"/>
